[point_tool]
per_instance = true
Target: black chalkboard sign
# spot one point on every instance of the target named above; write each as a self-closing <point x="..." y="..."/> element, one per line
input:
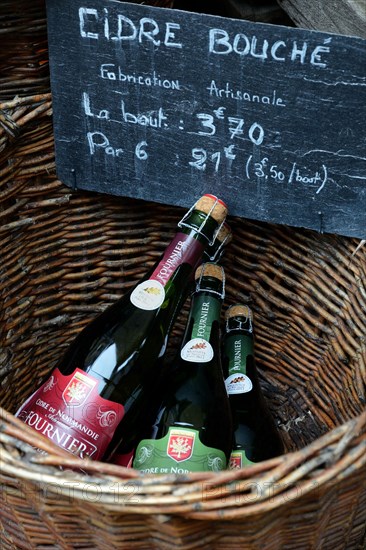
<point x="165" y="105"/>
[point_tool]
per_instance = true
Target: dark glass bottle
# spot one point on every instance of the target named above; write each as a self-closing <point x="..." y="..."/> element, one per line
<point x="192" y="428"/>
<point x="122" y="453"/>
<point x="255" y="434"/>
<point x="107" y="369"/>
<point x="214" y="252"/>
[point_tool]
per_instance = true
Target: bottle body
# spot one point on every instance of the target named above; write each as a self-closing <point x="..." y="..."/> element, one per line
<point x="255" y="436"/>
<point x="192" y="429"/>
<point x="106" y="369"/>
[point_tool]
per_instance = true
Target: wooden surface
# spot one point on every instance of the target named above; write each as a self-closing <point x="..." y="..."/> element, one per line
<point x="263" y="11"/>
<point x="338" y="16"/>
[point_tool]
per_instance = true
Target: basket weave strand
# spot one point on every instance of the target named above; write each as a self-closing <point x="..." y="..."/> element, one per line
<point x="66" y="255"/>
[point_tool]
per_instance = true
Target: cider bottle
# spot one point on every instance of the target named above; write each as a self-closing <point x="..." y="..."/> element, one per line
<point x="255" y="434"/>
<point x="107" y="370"/>
<point x="192" y="429"/>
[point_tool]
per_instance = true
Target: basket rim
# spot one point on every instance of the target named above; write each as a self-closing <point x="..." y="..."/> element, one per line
<point x="278" y="482"/>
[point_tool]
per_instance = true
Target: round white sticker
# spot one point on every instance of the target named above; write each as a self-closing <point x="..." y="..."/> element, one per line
<point x="148" y="295"/>
<point x="238" y="383"/>
<point x="197" y="350"/>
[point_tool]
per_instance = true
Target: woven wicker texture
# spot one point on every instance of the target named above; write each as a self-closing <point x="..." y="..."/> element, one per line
<point x="66" y="255"/>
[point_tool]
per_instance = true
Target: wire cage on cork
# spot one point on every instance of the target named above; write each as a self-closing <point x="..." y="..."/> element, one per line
<point x="66" y="255"/>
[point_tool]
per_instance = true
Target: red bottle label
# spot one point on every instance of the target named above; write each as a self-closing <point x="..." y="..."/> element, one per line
<point x="238" y="459"/>
<point x="183" y="249"/>
<point x="70" y="412"/>
<point x="150" y="294"/>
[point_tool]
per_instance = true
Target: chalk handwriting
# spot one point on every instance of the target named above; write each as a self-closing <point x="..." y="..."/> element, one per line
<point x="154" y="119"/>
<point x="95" y="24"/>
<point x="109" y="71"/>
<point x="221" y="43"/>
<point x="227" y="92"/>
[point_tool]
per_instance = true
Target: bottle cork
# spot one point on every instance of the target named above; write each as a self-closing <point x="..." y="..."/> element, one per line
<point x="209" y="204"/>
<point x="209" y="270"/>
<point x="239" y="310"/>
<point x="225" y="234"/>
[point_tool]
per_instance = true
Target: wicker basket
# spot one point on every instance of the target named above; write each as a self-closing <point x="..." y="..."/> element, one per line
<point x="67" y="255"/>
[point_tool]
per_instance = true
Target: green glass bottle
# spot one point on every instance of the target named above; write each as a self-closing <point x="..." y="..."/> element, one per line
<point x="108" y="369"/>
<point x="191" y="428"/>
<point x="255" y="434"/>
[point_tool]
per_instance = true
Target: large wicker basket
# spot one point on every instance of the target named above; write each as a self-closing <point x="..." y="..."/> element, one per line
<point x="67" y="255"/>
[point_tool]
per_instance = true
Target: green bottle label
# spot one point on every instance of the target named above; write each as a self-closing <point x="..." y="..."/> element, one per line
<point x="179" y="452"/>
<point x="205" y="311"/>
<point x="238" y="459"/>
<point x="237" y="348"/>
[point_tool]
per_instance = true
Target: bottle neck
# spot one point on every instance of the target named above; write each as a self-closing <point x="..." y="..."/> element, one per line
<point x="202" y="332"/>
<point x="187" y="247"/>
<point x="237" y="352"/>
<point x="241" y="324"/>
<point x="205" y="311"/>
<point x="201" y="226"/>
<point x="237" y="347"/>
